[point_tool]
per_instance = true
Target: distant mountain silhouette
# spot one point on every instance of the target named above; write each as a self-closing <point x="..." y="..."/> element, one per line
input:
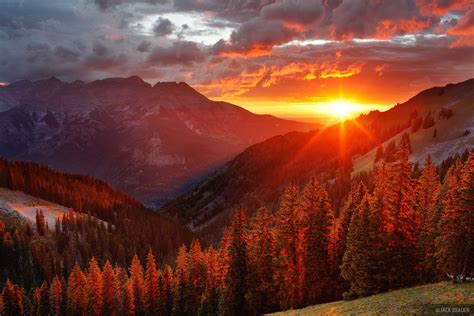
<point x="150" y="141"/>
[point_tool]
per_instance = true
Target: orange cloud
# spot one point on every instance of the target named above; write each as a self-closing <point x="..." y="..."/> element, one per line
<point x="430" y="7"/>
<point x="464" y="30"/>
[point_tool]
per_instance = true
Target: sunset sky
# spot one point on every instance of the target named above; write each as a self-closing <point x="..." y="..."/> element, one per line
<point x="288" y="58"/>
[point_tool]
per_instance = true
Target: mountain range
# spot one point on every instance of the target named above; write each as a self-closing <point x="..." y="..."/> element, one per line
<point x="439" y="121"/>
<point x="150" y="141"/>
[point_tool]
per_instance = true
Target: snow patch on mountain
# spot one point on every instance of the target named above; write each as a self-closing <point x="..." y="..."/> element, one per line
<point x="20" y="204"/>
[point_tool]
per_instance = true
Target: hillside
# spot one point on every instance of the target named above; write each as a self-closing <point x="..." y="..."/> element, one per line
<point x="26" y="186"/>
<point x="411" y="301"/>
<point x="257" y="176"/>
<point x="149" y="141"/>
<point x="17" y="203"/>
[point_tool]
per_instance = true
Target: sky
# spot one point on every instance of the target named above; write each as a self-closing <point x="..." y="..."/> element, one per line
<point x="290" y="58"/>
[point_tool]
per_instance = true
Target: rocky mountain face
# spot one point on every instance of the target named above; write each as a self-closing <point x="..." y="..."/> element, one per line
<point x="150" y="141"/>
<point x="257" y="177"/>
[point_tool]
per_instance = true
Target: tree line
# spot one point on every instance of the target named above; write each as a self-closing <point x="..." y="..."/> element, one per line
<point x="403" y="227"/>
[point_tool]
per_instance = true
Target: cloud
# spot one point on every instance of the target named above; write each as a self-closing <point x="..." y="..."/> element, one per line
<point x="464" y="30"/>
<point x="163" y="27"/>
<point x="107" y="4"/>
<point x="144" y="46"/>
<point x="179" y="53"/>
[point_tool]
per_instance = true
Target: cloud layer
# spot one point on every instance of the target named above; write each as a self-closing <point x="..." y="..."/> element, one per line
<point x="245" y="50"/>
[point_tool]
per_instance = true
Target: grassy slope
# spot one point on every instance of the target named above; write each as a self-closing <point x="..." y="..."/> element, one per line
<point x="448" y="142"/>
<point x="408" y="301"/>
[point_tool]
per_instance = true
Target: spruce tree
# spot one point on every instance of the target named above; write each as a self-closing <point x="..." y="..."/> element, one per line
<point x="364" y="260"/>
<point x="351" y="205"/>
<point x="95" y="287"/>
<point x="261" y="294"/>
<point x="56" y="295"/>
<point x="286" y="243"/>
<point x="316" y="222"/>
<point x="110" y="290"/>
<point x="454" y="245"/>
<point x="232" y="300"/>
<point x="138" y="284"/>
<point x="41" y="299"/>
<point x="12" y="299"/>
<point x="401" y="221"/>
<point x="152" y="277"/>
<point x="427" y="194"/>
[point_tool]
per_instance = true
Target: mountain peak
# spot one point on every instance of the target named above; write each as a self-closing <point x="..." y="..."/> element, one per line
<point x="132" y="81"/>
<point x="176" y="88"/>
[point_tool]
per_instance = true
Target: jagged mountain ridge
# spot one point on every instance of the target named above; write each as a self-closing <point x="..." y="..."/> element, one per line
<point x="256" y="177"/>
<point x="149" y="141"/>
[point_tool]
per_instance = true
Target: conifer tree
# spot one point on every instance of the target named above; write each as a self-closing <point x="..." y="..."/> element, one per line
<point x="56" y="296"/>
<point x="180" y="281"/>
<point x="401" y="221"/>
<point x="95" y="287"/>
<point x="77" y="296"/>
<point x="286" y="243"/>
<point x="129" y="297"/>
<point x="110" y="290"/>
<point x="454" y="245"/>
<point x="261" y="294"/>
<point x="41" y="299"/>
<point x="317" y="221"/>
<point x="138" y="284"/>
<point x="12" y="299"/>
<point x="40" y="222"/>
<point x="152" y="277"/>
<point x="352" y="204"/>
<point x="210" y="298"/>
<point x="364" y="260"/>
<point x="427" y="194"/>
<point x="196" y="283"/>
<point x="166" y="292"/>
<point x="232" y="300"/>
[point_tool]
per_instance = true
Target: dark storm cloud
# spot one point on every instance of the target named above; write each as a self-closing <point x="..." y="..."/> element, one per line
<point x="144" y="46"/>
<point x="65" y="54"/>
<point x="236" y="47"/>
<point x="232" y="10"/>
<point x="180" y="53"/>
<point x="163" y="27"/>
<point x="107" y="4"/>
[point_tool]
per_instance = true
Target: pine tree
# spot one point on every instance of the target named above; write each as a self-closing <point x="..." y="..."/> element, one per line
<point x="317" y="222"/>
<point x="110" y="290"/>
<point x="152" y="277"/>
<point x="166" y="292"/>
<point x="12" y="299"/>
<point x="40" y="222"/>
<point x="56" y="296"/>
<point x="364" y="260"/>
<point x="401" y="220"/>
<point x="77" y="296"/>
<point x="352" y="204"/>
<point x="196" y="278"/>
<point x="427" y="194"/>
<point x="180" y="282"/>
<point x="129" y="297"/>
<point x="232" y="300"/>
<point x="454" y="245"/>
<point x="95" y="287"/>
<point x="41" y="299"/>
<point x="286" y="243"/>
<point x="261" y="294"/>
<point x="138" y="284"/>
<point x="210" y="298"/>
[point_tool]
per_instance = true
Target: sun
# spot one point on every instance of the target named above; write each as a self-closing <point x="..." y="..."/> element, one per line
<point x="342" y="108"/>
